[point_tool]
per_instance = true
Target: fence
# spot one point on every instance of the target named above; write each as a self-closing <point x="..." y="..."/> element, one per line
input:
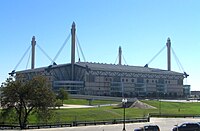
<point x="13" y="126"/>
<point x="173" y="115"/>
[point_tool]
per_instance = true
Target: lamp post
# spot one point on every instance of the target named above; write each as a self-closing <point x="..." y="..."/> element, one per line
<point x="159" y="107"/>
<point x="124" y="101"/>
<point x="158" y="95"/>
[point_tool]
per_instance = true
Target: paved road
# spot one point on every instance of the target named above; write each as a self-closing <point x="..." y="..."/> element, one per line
<point x="165" y="124"/>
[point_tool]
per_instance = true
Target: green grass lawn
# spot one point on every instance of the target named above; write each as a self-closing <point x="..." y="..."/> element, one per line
<point x="192" y="108"/>
<point x="95" y="114"/>
<point x="110" y="112"/>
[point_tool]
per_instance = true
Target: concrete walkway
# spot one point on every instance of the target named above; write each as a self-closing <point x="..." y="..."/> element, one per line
<point x="75" y="106"/>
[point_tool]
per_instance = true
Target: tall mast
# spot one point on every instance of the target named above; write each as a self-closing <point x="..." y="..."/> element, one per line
<point x="73" y="37"/>
<point x="168" y="54"/>
<point x="120" y="55"/>
<point x="33" y="43"/>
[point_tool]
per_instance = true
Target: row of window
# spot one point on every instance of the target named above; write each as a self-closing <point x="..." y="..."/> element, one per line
<point x="139" y="80"/>
<point x="91" y="78"/>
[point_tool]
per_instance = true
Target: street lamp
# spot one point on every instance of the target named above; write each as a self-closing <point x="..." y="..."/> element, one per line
<point x="160" y="107"/>
<point x="124" y="101"/>
<point x="159" y="100"/>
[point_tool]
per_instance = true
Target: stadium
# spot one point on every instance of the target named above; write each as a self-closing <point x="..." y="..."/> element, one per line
<point x="100" y="79"/>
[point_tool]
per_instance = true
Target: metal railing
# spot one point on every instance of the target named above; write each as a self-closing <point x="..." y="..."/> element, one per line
<point x="173" y="115"/>
<point x="13" y="126"/>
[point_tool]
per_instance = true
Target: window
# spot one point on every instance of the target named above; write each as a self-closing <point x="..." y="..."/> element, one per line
<point x="180" y="82"/>
<point x="91" y="78"/>
<point x="132" y="80"/>
<point x="161" y="81"/>
<point x="140" y="80"/>
<point x="116" y="79"/>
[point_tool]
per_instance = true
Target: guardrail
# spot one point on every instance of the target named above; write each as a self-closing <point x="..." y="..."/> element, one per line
<point x="173" y="115"/>
<point x="71" y="124"/>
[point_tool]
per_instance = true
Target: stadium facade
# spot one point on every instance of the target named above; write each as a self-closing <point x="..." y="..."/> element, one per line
<point x="108" y="79"/>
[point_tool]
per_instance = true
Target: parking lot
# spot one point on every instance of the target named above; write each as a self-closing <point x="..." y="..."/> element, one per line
<point x="165" y="124"/>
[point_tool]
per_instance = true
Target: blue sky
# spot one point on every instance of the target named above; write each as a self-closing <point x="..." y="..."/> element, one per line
<point x="141" y="27"/>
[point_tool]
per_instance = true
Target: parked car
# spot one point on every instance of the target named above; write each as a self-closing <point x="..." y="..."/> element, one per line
<point x="148" y="128"/>
<point x="138" y="129"/>
<point x="187" y="127"/>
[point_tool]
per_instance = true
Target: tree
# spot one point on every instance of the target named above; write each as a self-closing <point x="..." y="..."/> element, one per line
<point x="62" y="95"/>
<point x="33" y="96"/>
